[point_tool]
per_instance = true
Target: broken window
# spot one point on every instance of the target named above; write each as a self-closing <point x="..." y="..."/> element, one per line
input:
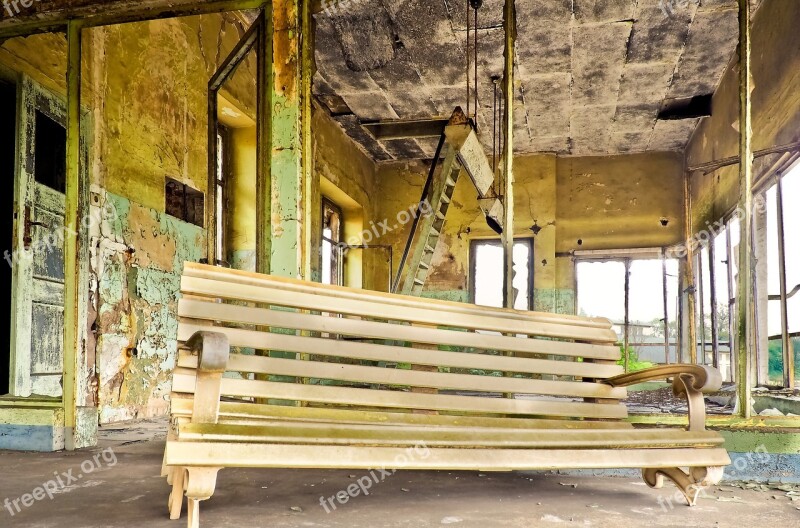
<point x="643" y="309"/>
<point x="487" y="273"/>
<point x="50" y="166"/>
<point x="332" y="251"/>
<point x="183" y="202"/>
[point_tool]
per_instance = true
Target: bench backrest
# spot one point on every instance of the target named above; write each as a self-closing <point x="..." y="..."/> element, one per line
<point x="331" y="346"/>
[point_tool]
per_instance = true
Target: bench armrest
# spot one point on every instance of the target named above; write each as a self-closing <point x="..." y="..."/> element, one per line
<point x="213" y="351"/>
<point x="688" y="380"/>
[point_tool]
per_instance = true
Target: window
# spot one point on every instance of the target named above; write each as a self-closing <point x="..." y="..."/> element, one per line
<point x="221" y="249"/>
<point x="332" y="235"/>
<point x="777" y="246"/>
<point x="183" y="202"/>
<point x="643" y="309"/>
<point x="486" y="275"/>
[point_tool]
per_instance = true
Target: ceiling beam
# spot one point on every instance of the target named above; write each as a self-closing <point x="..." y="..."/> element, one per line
<point x="52" y="15"/>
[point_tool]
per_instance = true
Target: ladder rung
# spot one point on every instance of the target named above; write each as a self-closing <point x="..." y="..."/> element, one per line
<point x="450" y="181"/>
<point x="440" y="214"/>
<point x="429" y="249"/>
<point x="434" y="231"/>
<point x="418" y="282"/>
<point x="424" y="265"/>
<point x="446" y="198"/>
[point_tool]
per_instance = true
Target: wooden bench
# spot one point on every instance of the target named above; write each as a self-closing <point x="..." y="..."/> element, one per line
<point x="280" y="373"/>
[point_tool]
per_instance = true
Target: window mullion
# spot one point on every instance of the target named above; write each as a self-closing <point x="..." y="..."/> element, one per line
<point x="788" y="356"/>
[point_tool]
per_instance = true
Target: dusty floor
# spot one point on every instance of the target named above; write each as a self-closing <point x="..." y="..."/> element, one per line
<point x="122" y="489"/>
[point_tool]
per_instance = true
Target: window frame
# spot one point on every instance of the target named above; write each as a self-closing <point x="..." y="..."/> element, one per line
<point x="221" y="182"/>
<point x="337" y="209"/>
<point x="775" y="179"/>
<point x="626" y="257"/>
<point x="495" y="241"/>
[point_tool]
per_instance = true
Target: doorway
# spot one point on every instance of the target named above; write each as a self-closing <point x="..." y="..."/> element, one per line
<point x="8" y="141"/>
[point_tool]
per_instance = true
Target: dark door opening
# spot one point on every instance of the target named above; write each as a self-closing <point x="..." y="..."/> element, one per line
<point x="8" y="141"/>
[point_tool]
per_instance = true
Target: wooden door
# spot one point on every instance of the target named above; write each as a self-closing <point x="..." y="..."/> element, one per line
<point x="38" y="256"/>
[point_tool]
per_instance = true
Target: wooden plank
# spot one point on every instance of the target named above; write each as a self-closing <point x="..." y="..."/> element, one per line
<point x="367" y="308"/>
<point x="229" y="313"/>
<point x="401" y="377"/>
<point x="193" y="269"/>
<point x="379" y="352"/>
<point x="425" y="366"/>
<point x="329" y="434"/>
<point x="184" y="381"/>
<point x="352" y="457"/>
<point x="234" y="412"/>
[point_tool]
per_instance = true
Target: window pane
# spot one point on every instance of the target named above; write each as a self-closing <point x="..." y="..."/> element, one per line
<point x="601" y="291"/>
<point x="773" y="265"/>
<point x="646" y="310"/>
<point x="733" y="271"/>
<point x="705" y="288"/>
<point x="722" y="307"/>
<point x="775" y="362"/>
<point x="791" y="219"/>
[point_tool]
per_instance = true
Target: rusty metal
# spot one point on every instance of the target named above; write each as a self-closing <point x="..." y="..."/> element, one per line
<point x="711" y="166"/>
<point x="786" y="345"/>
<point x="712" y="288"/>
<point x="746" y="279"/>
<point x="510" y="28"/>
<point x="425" y="191"/>
<point x="689" y="278"/>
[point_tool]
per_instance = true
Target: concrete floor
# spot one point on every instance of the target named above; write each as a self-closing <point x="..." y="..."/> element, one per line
<point x="123" y="490"/>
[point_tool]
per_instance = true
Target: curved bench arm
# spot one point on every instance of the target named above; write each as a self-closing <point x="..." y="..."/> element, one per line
<point x="688" y="380"/>
<point x="213" y="352"/>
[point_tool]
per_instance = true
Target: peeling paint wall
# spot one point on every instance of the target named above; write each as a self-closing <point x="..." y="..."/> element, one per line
<point x="145" y="87"/>
<point x="776" y="111"/>
<point x="139" y="260"/>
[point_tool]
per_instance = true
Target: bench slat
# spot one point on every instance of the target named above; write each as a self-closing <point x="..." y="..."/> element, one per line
<point x="184" y="381"/>
<point x="205" y="271"/>
<point x="398" y="354"/>
<point x="343" y="434"/>
<point x="491" y="459"/>
<point x="323" y="303"/>
<point x="227" y="313"/>
<point x="246" y="412"/>
<point x="393" y="376"/>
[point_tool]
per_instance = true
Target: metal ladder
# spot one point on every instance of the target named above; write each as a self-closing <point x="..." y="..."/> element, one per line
<point x="463" y="154"/>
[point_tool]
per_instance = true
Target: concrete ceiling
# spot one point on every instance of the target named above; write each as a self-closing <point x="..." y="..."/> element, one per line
<point x="592" y="75"/>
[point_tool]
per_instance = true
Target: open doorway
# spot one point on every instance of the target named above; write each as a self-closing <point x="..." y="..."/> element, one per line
<point x="8" y="124"/>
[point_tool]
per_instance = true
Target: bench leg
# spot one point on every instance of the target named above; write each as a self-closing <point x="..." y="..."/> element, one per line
<point x="690" y="484"/>
<point x="178" y="478"/>
<point x="200" y="485"/>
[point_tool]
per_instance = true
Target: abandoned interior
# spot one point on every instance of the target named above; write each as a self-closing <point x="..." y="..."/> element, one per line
<point x="630" y="160"/>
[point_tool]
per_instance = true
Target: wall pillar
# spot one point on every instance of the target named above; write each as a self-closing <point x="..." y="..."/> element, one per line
<point x="283" y="201"/>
